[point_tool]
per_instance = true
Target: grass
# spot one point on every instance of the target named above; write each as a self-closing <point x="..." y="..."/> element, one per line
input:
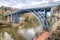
<point x="1" y="17"/>
<point x="0" y="14"/>
<point x="30" y="21"/>
<point x="13" y="31"/>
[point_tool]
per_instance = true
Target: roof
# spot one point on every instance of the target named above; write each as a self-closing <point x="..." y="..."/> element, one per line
<point x="38" y="6"/>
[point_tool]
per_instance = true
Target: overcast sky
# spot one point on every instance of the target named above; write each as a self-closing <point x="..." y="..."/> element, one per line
<point x="21" y="3"/>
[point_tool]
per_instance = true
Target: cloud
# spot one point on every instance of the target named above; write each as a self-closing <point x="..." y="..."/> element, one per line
<point x="19" y="5"/>
<point x="29" y="3"/>
<point x="56" y="0"/>
<point x="22" y="3"/>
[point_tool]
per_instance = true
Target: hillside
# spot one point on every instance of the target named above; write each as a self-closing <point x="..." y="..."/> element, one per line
<point x="5" y="10"/>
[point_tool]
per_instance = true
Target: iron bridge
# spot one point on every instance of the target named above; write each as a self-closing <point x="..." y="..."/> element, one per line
<point x="40" y="12"/>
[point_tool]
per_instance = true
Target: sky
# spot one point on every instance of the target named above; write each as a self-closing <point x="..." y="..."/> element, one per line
<point x="22" y="3"/>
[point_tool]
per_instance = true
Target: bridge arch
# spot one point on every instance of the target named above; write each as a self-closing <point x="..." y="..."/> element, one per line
<point x="38" y="13"/>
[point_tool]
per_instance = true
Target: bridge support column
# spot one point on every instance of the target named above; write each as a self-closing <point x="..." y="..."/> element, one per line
<point x="8" y="18"/>
<point x="11" y="18"/>
<point x="44" y="13"/>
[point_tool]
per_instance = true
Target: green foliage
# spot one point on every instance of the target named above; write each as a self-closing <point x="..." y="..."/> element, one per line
<point x="0" y="14"/>
<point x="30" y="21"/>
<point x="13" y="31"/>
<point x="26" y="19"/>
